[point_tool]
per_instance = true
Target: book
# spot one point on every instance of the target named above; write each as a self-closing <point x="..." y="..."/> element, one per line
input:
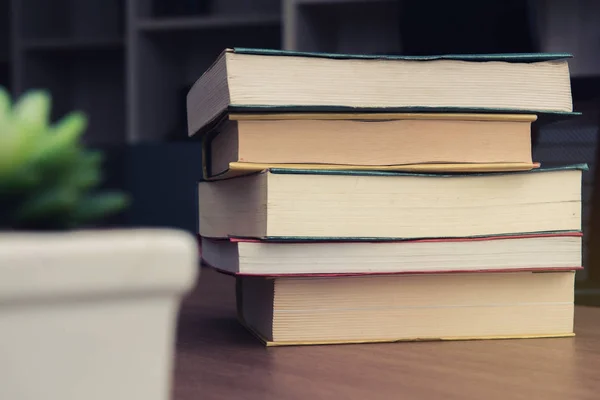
<point x="273" y="80"/>
<point x="246" y="143"/>
<point x="388" y="308"/>
<point x="288" y="203"/>
<point x="552" y="251"/>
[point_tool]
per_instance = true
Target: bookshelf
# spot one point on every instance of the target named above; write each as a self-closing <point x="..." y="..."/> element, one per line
<point x="441" y="27"/>
<point x="5" y="43"/>
<point x="76" y="50"/>
<point x="345" y="26"/>
<point x="128" y="63"/>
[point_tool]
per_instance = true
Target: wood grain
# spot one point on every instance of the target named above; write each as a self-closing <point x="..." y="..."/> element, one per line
<point x="218" y="359"/>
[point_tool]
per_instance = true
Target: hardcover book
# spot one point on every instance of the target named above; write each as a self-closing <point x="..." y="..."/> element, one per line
<point x="246" y="143"/>
<point x="243" y="80"/>
<point x="388" y="308"/>
<point x="532" y="252"/>
<point x="288" y="203"/>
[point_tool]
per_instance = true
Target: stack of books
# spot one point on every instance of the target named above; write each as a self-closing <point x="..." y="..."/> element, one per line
<point x="362" y="198"/>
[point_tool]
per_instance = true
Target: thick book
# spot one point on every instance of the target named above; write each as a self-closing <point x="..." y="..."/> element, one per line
<point x="246" y="143"/>
<point x="551" y="251"/>
<point x="387" y="308"/>
<point x="287" y="203"/>
<point x="271" y="80"/>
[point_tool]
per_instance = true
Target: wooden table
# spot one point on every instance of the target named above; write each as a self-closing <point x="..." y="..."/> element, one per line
<point x="218" y="359"/>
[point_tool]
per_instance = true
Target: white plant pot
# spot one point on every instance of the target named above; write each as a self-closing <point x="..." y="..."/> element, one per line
<point x="89" y="315"/>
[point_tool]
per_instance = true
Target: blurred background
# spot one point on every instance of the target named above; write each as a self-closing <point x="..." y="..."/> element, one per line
<point x="130" y="63"/>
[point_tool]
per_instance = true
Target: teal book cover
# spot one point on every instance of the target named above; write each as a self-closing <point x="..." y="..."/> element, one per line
<point x="508" y="57"/>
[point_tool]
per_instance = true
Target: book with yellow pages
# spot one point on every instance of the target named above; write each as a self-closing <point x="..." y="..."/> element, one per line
<point x="388" y="308"/>
<point x="246" y="143"/>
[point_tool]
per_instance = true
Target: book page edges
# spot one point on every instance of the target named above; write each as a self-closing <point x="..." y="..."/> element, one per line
<point x="269" y="343"/>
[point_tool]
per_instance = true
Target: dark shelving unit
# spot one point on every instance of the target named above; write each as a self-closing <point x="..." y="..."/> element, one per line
<point x="128" y="63"/>
<point x="167" y="53"/>
<point x="208" y="22"/>
<point x="76" y="50"/>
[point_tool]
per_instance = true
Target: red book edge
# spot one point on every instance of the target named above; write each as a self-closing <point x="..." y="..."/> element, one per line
<point x="498" y="270"/>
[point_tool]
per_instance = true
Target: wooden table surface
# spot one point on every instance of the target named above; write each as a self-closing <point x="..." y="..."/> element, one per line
<point x="218" y="359"/>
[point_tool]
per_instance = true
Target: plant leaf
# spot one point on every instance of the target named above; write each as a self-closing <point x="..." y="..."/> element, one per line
<point x="33" y="109"/>
<point x="85" y="173"/>
<point x="69" y="128"/>
<point x="60" y="148"/>
<point x="5" y="108"/>
<point x="45" y="172"/>
<point x="23" y="179"/>
<point x="10" y="151"/>
<point x="100" y="206"/>
<point x="23" y="130"/>
<point x="55" y="200"/>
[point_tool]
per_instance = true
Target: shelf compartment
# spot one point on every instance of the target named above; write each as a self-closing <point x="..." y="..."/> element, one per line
<point x="208" y="22"/>
<point x="73" y="44"/>
<point x="203" y="8"/>
<point x="167" y="64"/>
<point x="90" y="82"/>
<point x="370" y="27"/>
<point x="38" y="19"/>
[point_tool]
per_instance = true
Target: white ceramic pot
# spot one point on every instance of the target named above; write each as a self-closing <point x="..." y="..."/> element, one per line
<point x="88" y="315"/>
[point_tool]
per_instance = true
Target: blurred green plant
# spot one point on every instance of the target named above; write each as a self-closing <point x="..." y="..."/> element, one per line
<point x="47" y="177"/>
